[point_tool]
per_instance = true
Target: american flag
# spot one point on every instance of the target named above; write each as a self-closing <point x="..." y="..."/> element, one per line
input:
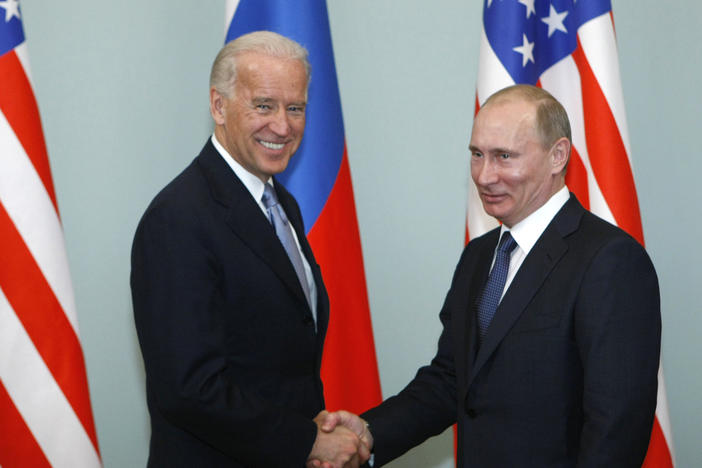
<point x="45" y="413"/>
<point x="569" y="48"/>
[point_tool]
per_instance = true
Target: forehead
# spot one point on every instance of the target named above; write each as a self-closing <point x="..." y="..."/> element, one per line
<point x="505" y="121"/>
<point x="261" y="71"/>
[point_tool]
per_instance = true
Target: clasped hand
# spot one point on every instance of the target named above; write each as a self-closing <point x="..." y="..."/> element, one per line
<point x="343" y="441"/>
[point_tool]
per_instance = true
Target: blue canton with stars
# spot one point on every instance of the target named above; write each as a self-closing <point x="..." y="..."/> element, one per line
<point x="529" y="36"/>
<point x="11" y="32"/>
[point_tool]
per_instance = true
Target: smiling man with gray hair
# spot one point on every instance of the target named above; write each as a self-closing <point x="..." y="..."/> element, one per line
<point x="229" y="303"/>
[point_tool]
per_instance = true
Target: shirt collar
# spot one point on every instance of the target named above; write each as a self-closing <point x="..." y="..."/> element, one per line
<point x="252" y="183"/>
<point x="527" y="231"/>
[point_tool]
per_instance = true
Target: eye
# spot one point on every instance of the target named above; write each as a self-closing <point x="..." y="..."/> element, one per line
<point x="296" y="109"/>
<point x="264" y="107"/>
<point x="504" y="156"/>
<point x="476" y="154"/>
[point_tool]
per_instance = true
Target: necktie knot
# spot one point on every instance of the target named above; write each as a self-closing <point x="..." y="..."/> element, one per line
<point x="269" y="198"/>
<point x="507" y="243"/>
<point x="270" y="201"/>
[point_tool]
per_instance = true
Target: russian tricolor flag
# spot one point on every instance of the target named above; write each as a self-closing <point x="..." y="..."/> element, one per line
<point x="318" y="176"/>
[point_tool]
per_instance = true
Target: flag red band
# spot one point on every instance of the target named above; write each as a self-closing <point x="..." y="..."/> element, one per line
<point x="18" y="447"/>
<point x="44" y="320"/>
<point x="658" y="455"/>
<point x="18" y="105"/>
<point x="345" y="280"/>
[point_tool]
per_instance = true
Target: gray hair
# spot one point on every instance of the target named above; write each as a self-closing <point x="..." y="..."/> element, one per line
<point x="223" y="74"/>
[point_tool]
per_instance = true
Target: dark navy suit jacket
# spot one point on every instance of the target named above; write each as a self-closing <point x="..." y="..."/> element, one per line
<point x="231" y="354"/>
<point x="567" y="374"/>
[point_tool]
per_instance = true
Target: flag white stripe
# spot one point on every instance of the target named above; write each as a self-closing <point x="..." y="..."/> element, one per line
<point x="600" y="47"/>
<point x="492" y="75"/>
<point x="27" y="202"/>
<point x="39" y="399"/>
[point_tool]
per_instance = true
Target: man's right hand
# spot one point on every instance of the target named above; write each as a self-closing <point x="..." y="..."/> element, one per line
<point x="341" y="424"/>
<point x="343" y="441"/>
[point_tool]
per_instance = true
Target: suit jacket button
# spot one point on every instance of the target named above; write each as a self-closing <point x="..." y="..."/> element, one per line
<point x="471" y="413"/>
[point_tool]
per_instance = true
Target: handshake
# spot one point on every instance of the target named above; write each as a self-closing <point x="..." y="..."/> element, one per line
<point x="343" y="441"/>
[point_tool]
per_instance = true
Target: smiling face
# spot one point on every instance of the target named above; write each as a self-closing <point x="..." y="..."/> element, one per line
<point x="262" y="123"/>
<point x="514" y="173"/>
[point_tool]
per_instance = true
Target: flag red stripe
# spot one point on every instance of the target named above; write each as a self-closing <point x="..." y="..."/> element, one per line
<point x="18" y="447"/>
<point x="337" y="246"/>
<point x="658" y="455"/>
<point x="18" y="105"/>
<point x="43" y="318"/>
<point x="607" y="153"/>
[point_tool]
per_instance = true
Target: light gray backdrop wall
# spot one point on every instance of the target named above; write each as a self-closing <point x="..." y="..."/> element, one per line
<point x="122" y="89"/>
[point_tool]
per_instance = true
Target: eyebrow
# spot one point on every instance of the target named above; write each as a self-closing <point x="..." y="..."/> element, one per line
<point x="268" y="100"/>
<point x="261" y="99"/>
<point x="498" y="150"/>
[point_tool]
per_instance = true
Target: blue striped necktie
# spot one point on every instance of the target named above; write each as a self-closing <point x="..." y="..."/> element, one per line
<point x="490" y="297"/>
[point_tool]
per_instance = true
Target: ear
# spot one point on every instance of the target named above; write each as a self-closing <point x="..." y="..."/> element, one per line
<point x="217" y="106"/>
<point x="559" y="155"/>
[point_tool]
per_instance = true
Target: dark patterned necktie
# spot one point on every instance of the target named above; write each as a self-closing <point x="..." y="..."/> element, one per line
<point x="490" y="297"/>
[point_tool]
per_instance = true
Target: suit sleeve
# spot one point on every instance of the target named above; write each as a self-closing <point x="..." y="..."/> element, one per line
<point x="618" y="327"/>
<point x="427" y="405"/>
<point x="178" y="307"/>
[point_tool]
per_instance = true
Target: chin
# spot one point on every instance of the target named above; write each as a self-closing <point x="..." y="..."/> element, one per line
<point x="493" y="211"/>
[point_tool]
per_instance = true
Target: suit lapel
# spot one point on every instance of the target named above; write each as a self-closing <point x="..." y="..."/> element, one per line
<point x="246" y="219"/>
<point x="536" y="267"/>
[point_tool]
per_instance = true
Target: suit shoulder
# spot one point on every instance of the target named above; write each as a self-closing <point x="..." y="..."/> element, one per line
<point x="598" y="229"/>
<point x="599" y="240"/>
<point x="186" y="192"/>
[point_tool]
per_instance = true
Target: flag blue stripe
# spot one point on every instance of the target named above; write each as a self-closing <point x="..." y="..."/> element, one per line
<point x="312" y="172"/>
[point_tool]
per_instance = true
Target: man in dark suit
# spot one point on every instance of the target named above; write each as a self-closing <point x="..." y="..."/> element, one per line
<point x="229" y="303"/>
<point x="563" y="372"/>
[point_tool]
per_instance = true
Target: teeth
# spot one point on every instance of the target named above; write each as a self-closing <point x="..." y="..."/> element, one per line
<point x="273" y="146"/>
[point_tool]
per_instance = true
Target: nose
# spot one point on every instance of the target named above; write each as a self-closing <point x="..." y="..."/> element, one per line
<point x="280" y="123"/>
<point x="483" y="171"/>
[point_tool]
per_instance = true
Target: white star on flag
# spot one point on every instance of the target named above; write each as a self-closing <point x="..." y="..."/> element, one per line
<point x="555" y="21"/>
<point x="11" y="9"/>
<point x="526" y="49"/>
<point x="529" y="4"/>
<point x="489" y="3"/>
